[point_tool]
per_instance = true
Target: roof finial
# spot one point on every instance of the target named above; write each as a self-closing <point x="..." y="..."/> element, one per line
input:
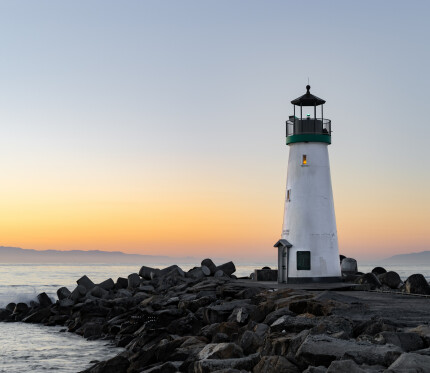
<point x="308" y="87"/>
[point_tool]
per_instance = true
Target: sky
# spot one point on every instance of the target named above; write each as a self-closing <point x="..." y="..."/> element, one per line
<point x="158" y="127"/>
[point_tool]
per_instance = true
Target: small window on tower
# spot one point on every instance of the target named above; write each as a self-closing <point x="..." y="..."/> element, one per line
<point x="288" y="195"/>
<point x="303" y="260"/>
<point x="304" y="160"/>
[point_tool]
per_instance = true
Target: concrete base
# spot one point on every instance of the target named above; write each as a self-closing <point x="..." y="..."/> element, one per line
<point x="265" y="275"/>
<point x="307" y="280"/>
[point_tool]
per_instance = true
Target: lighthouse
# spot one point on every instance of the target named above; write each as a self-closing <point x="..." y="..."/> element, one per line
<point x="308" y="250"/>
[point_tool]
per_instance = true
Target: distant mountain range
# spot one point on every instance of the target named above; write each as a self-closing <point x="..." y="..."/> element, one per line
<point x="421" y="258"/>
<point x="18" y="255"/>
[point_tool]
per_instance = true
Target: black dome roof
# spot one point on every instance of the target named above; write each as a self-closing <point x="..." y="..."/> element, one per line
<point x="308" y="99"/>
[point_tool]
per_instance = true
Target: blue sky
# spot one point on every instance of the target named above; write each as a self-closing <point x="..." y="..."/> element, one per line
<point x="143" y="102"/>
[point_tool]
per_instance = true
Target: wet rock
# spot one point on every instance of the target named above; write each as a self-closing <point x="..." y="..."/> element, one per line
<point x="20" y="308"/>
<point x="379" y="271"/>
<point x="369" y="279"/>
<point x="107" y="284"/>
<point x="63" y="293"/>
<point x="11" y="307"/>
<point x="85" y="282"/>
<point x="210" y="365"/>
<point x="169" y="367"/>
<point x="406" y="341"/>
<point x="99" y="292"/>
<point x="118" y="364"/>
<point x="410" y="363"/>
<point x="4" y="314"/>
<point x="78" y="293"/>
<point x="275" y="364"/>
<point x="220" y="351"/>
<point x="209" y="264"/>
<point x="38" y="316"/>
<point x="228" y="268"/>
<point x="44" y="300"/>
<point x="417" y="284"/>
<point x="391" y="279"/>
<point x="133" y="281"/>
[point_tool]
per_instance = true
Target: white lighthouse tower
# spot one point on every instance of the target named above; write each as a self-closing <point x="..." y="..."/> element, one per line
<point x="308" y="250"/>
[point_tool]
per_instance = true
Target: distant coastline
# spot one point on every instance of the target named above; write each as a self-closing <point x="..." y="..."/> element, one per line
<point x="18" y="255"/>
<point x="420" y="258"/>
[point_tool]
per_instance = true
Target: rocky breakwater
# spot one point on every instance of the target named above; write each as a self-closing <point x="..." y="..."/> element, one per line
<point x="205" y="320"/>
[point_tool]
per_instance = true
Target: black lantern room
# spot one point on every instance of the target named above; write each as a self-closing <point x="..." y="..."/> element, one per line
<point x="307" y="127"/>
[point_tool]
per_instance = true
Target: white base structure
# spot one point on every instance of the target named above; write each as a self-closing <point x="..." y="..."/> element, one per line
<point x="309" y="218"/>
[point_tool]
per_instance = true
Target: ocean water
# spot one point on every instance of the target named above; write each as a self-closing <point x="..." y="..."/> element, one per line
<point x="25" y="347"/>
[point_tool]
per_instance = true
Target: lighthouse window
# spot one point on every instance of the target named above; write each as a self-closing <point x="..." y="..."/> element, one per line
<point x="288" y="195"/>
<point x="304" y="260"/>
<point x="304" y="160"/>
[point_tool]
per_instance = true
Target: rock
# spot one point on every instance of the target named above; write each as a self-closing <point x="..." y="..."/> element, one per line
<point x="292" y="324"/>
<point x="78" y="293"/>
<point x="250" y="342"/>
<point x="379" y="271"/>
<point x="63" y="293"/>
<point x="86" y="283"/>
<point x="322" y="350"/>
<point x="335" y="326"/>
<point x="348" y="366"/>
<point x="373" y="326"/>
<point x="276" y="364"/>
<point x="406" y="341"/>
<point x="210" y="264"/>
<point x="410" y="363"/>
<point x="312" y="369"/>
<point x="121" y="283"/>
<point x="66" y="303"/>
<point x="210" y="365"/>
<point x="4" y="314"/>
<point x="348" y="266"/>
<point x="11" y="307"/>
<point x="311" y="306"/>
<point x="99" y="292"/>
<point x="275" y="315"/>
<point x="133" y="281"/>
<point x="221" y="312"/>
<point x="169" y="367"/>
<point x="107" y="284"/>
<point x="173" y="268"/>
<point x="369" y="279"/>
<point x="196" y="273"/>
<point x="220" y="351"/>
<point x="219" y="273"/>
<point x="38" y="316"/>
<point x="123" y="293"/>
<point x="145" y="272"/>
<point x="391" y="279"/>
<point x="228" y="268"/>
<point x="44" y="300"/>
<point x="242" y="315"/>
<point x="206" y="271"/>
<point x="20" y="308"/>
<point x="417" y="284"/>
<point x="118" y="364"/>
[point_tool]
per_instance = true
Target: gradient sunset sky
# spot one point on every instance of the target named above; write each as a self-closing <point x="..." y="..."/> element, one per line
<point x="158" y="127"/>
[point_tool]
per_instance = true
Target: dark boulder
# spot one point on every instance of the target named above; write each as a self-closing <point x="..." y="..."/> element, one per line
<point x="121" y="283"/>
<point x="20" y="308"/>
<point x="145" y="272"/>
<point x="379" y="270"/>
<point x="107" y="284"/>
<point x="228" y="268"/>
<point x="39" y="316"/>
<point x="369" y="279"/>
<point x="417" y="284"/>
<point x="210" y="264"/>
<point x="63" y="293"/>
<point x="11" y="307"/>
<point x="275" y="364"/>
<point x="44" y="300"/>
<point x="391" y="279"/>
<point x="118" y="364"/>
<point x="348" y="266"/>
<point x="86" y="282"/>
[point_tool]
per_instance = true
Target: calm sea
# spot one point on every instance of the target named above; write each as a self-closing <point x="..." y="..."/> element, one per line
<point x="37" y="348"/>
